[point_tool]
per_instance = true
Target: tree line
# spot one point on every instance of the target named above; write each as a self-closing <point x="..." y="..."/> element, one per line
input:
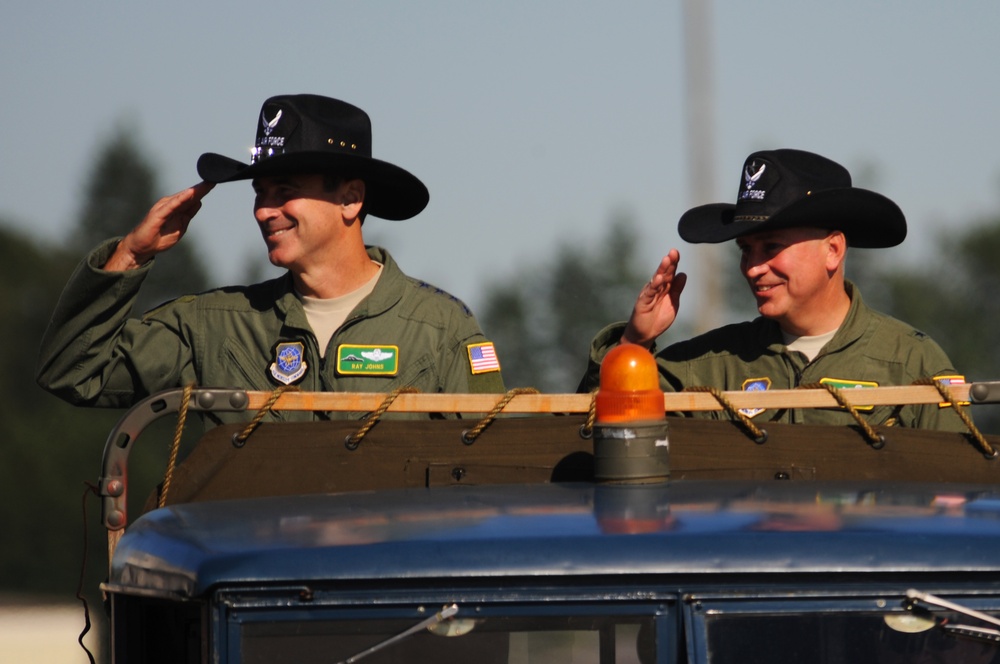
<point x="542" y="318"/>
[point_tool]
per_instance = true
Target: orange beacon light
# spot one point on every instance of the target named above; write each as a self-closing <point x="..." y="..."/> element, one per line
<point x="630" y="425"/>
<point x="630" y="386"/>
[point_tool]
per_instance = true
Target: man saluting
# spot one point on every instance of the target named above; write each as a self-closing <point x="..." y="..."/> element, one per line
<point x="343" y="318"/>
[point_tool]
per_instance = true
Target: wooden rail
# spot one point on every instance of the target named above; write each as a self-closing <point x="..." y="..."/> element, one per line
<point x="580" y="403"/>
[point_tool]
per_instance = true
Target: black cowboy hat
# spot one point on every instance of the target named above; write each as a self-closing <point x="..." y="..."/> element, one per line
<point x="793" y="188"/>
<point x="310" y="133"/>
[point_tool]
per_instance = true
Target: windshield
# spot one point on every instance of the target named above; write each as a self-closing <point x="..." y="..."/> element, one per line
<point x="479" y="640"/>
<point x="836" y="638"/>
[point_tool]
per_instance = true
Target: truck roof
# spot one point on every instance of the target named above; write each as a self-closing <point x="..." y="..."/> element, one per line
<point x="685" y="528"/>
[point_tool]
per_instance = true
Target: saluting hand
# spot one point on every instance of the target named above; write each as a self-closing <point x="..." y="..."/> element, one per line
<point x="656" y="307"/>
<point x="162" y="228"/>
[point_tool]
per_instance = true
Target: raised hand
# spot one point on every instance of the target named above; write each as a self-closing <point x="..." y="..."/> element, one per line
<point x="656" y="307"/>
<point x="161" y="229"/>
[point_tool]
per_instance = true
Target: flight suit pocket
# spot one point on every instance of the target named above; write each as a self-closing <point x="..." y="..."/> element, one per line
<point x="238" y="369"/>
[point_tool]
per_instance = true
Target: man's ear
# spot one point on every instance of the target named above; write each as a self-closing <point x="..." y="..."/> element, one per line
<point x="352" y="198"/>
<point x="836" y="250"/>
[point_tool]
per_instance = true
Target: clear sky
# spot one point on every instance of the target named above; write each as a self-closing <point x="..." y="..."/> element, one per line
<point x="531" y="122"/>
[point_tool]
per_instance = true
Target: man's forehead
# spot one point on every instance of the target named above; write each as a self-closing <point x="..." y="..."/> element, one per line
<point x="284" y="178"/>
<point x="796" y="234"/>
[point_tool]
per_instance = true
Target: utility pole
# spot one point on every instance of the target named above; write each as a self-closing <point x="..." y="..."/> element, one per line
<point x="699" y="107"/>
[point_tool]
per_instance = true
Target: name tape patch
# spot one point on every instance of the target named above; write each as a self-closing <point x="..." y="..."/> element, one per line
<point x="374" y="360"/>
<point x="848" y="384"/>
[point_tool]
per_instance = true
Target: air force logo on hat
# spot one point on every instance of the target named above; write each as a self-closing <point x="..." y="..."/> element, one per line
<point x="267" y="145"/>
<point x="751" y="174"/>
<point x="269" y="124"/>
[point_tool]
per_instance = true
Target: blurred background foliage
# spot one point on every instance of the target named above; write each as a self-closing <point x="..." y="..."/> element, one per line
<point x="541" y="316"/>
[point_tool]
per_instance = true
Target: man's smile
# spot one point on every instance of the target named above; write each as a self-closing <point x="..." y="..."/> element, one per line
<point x="276" y="229"/>
<point x="763" y="288"/>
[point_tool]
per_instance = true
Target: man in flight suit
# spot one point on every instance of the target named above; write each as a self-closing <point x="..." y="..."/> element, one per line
<point x="795" y="217"/>
<point x="343" y="317"/>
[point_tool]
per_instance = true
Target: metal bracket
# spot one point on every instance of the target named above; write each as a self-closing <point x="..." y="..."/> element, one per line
<point x="113" y="482"/>
<point x="985" y="392"/>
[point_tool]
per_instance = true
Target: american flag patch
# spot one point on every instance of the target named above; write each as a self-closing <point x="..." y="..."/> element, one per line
<point x="483" y="358"/>
<point x="948" y="381"/>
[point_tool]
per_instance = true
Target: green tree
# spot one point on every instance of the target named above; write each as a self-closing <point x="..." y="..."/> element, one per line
<point x="52" y="450"/>
<point x="118" y="193"/>
<point x="543" y="318"/>
<point x="49" y="449"/>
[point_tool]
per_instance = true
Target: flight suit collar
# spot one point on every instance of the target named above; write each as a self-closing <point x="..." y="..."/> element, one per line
<point x="855" y="323"/>
<point x="853" y="327"/>
<point x="388" y="291"/>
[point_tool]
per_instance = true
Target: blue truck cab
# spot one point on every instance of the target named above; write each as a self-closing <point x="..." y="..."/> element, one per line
<point x="690" y="541"/>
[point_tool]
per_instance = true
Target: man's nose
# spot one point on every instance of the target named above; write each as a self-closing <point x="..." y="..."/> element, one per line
<point x="754" y="266"/>
<point x="264" y="208"/>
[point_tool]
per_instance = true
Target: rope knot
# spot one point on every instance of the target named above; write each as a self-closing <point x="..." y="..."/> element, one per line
<point x="875" y="439"/>
<point x="988" y="451"/>
<point x="240" y="439"/>
<point x="469" y="436"/>
<point x="758" y="435"/>
<point x="354" y="440"/>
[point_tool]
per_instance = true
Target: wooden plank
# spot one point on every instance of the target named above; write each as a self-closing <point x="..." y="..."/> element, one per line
<point x="580" y="403"/>
<point x="311" y="457"/>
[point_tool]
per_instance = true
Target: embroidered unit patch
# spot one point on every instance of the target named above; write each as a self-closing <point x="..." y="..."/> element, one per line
<point x="370" y="360"/>
<point x="755" y="385"/>
<point x="289" y="364"/>
<point x="483" y="358"/>
<point x="847" y="384"/>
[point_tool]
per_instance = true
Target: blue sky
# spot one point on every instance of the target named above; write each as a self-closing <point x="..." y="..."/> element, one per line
<point x="532" y="123"/>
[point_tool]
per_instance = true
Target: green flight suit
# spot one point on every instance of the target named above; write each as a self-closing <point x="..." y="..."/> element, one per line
<point x="869" y="347"/>
<point x="93" y="354"/>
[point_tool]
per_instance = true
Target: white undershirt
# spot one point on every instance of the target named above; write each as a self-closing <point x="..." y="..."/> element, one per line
<point x="325" y="315"/>
<point x="808" y="346"/>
